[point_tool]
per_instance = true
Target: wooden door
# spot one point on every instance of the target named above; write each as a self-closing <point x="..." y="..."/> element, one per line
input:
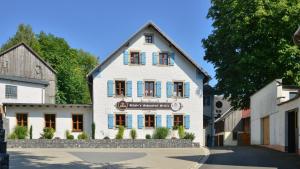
<point x="266" y="130"/>
<point x="292" y="132"/>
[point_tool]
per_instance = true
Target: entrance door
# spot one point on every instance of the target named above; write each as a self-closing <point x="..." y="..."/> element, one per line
<point x="266" y="130"/>
<point x="292" y="132"/>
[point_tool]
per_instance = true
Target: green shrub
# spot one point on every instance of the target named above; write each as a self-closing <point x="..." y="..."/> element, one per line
<point x="161" y="133"/>
<point x="120" y="133"/>
<point x="21" y="132"/>
<point x="69" y="136"/>
<point x="190" y="136"/>
<point x="148" y="136"/>
<point x="30" y="132"/>
<point x="48" y="133"/>
<point x="83" y="136"/>
<point x="133" y="134"/>
<point x="13" y="136"/>
<point x="93" y="130"/>
<point x="181" y="133"/>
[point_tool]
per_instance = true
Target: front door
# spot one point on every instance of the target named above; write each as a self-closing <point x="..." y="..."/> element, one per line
<point x="266" y="130"/>
<point x="292" y="132"/>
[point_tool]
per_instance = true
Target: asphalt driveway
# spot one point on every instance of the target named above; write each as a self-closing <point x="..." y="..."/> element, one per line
<point x="250" y="157"/>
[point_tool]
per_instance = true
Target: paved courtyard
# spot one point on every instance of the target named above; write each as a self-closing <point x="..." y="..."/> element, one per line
<point x="250" y="157"/>
<point x="105" y="158"/>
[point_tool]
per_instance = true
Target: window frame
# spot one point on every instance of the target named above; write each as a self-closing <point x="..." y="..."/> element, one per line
<point x="115" y="88"/>
<point x="154" y="88"/>
<point x="50" y="122"/>
<point x="148" y="123"/>
<point x="173" y="90"/>
<point x="116" y="120"/>
<point x="10" y="95"/>
<point x="175" y="122"/>
<point x="146" y="39"/>
<point x="22" y="121"/>
<point x="168" y="58"/>
<point x="77" y="123"/>
<point x="139" y="57"/>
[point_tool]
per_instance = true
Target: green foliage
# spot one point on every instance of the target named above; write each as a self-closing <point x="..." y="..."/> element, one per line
<point x="93" y="130"/>
<point x="181" y="132"/>
<point x="190" y="136"/>
<point x="133" y="134"/>
<point x="251" y="45"/>
<point x="21" y="132"/>
<point x="161" y="133"/>
<point x="148" y="136"/>
<point x="30" y="132"/>
<point x="72" y="65"/>
<point x="69" y="136"/>
<point x="120" y="132"/>
<point x="13" y="136"/>
<point x="48" y="133"/>
<point x="83" y="136"/>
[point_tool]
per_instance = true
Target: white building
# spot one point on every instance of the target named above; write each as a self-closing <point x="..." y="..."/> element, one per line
<point x="159" y="85"/>
<point x="274" y="117"/>
<point x="148" y="82"/>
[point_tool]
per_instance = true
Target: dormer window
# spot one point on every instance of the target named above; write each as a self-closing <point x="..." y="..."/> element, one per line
<point x="135" y="58"/>
<point x="148" y="38"/>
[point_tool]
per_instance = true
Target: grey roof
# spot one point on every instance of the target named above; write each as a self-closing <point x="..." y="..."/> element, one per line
<point x="23" y="79"/>
<point x="151" y="24"/>
<point x="32" y="51"/>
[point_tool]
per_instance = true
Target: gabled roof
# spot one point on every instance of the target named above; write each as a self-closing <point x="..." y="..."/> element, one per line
<point x="31" y="50"/>
<point x="172" y="43"/>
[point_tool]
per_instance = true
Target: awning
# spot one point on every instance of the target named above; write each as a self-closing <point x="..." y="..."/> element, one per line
<point x="246" y="113"/>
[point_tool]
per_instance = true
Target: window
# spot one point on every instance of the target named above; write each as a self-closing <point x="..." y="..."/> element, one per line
<point x="178" y="89"/>
<point x="149" y="38"/>
<point x="22" y="119"/>
<point x="206" y="100"/>
<point x="293" y="95"/>
<point x="50" y="120"/>
<point x="10" y="92"/>
<point x="120" y="88"/>
<point x="149" y="88"/>
<point x="149" y="120"/>
<point x="77" y="120"/>
<point x="120" y="120"/>
<point x="234" y="135"/>
<point x="135" y="58"/>
<point x="178" y="120"/>
<point x="164" y="58"/>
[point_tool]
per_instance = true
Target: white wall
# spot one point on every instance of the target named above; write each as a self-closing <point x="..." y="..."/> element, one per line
<point x="114" y="69"/>
<point x="36" y="119"/>
<point x="26" y="92"/>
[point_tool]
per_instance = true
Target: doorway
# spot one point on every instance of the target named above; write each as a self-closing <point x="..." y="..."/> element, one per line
<point x="292" y="131"/>
<point x="266" y="130"/>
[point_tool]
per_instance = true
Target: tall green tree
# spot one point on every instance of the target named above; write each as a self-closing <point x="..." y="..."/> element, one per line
<point x="72" y="65"/>
<point x="251" y="45"/>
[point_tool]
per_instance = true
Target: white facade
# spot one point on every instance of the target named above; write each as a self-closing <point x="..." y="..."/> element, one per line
<point x="36" y="118"/>
<point x="269" y="102"/>
<point x="114" y="69"/>
<point x="26" y="92"/>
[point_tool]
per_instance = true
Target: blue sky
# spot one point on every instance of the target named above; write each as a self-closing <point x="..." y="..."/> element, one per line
<point x="100" y="27"/>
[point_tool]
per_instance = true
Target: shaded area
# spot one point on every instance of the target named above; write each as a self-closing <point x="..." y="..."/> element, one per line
<point x="195" y="158"/>
<point x="25" y="161"/>
<point x="106" y="157"/>
<point x="250" y="156"/>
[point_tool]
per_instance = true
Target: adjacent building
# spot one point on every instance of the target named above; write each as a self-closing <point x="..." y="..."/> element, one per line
<point x="274" y="117"/>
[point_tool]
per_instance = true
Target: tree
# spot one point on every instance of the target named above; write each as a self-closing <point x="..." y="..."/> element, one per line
<point x="72" y="65"/>
<point x="251" y="45"/>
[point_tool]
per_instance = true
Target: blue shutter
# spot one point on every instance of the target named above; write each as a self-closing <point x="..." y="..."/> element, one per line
<point x="187" y="121"/>
<point x="140" y="88"/>
<point x="110" y="88"/>
<point x="110" y="121"/>
<point x="129" y="88"/>
<point x="140" y="121"/>
<point x="172" y="58"/>
<point x="169" y="121"/>
<point x="158" y="121"/>
<point x="158" y="89"/>
<point x="143" y="58"/>
<point x="154" y="58"/>
<point x="125" y="57"/>
<point x="129" y="121"/>
<point x="169" y="89"/>
<point x="187" y="89"/>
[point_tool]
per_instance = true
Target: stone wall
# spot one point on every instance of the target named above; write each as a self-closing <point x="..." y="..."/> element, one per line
<point x="127" y="143"/>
